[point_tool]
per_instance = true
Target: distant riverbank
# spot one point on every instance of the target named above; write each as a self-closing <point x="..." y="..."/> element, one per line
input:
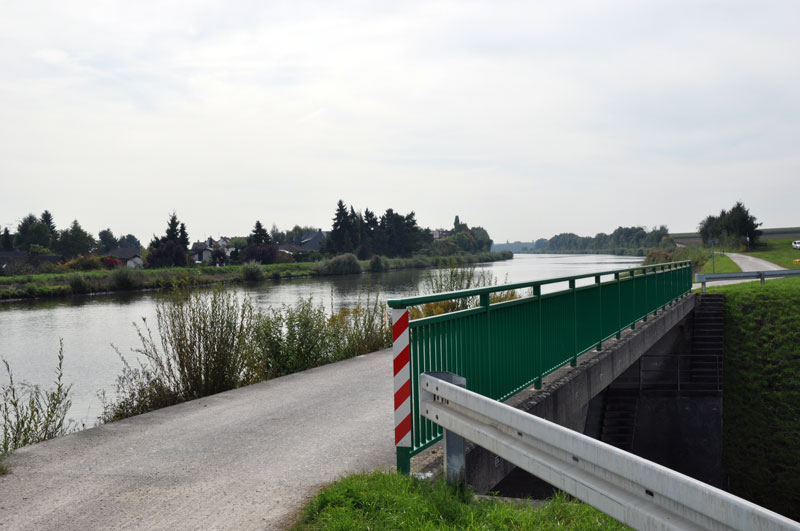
<point x="68" y="283"/>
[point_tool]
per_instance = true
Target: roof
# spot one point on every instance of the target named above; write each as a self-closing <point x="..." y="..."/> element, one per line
<point x="124" y="253"/>
<point x="310" y="241"/>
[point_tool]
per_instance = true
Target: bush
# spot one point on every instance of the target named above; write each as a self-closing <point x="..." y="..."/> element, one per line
<point x="31" y="415"/>
<point x="77" y="283"/>
<point x="378" y="264"/>
<point x="204" y="342"/>
<point x="124" y="279"/>
<point x="84" y="263"/>
<point x="284" y="258"/>
<point x="344" y="264"/>
<point x="109" y="262"/>
<point x="252" y="271"/>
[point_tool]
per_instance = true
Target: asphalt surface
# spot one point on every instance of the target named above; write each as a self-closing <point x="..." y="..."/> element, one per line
<point x="244" y="459"/>
<point x="751" y="263"/>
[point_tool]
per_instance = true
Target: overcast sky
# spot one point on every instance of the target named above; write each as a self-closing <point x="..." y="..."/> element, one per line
<point x="527" y="118"/>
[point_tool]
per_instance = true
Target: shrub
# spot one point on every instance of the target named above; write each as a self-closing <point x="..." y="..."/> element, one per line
<point x="378" y="264"/>
<point x="47" y="268"/>
<point x="284" y="258"/>
<point x="252" y="271"/>
<point x="455" y="278"/>
<point x="124" y="279"/>
<point x="77" y="283"/>
<point x="109" y="262"/>
<point x="344" y="264"/>
<point x="31" y="415"/>
<point x="84" y="263"/>
<point x="657" y="256"/>
<point x="204" y="342"/>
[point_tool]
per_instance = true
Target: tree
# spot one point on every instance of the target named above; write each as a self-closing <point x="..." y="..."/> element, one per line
<point x="74" y="241"/>
<point x="167" y="254"/>
<point x="183" y="237"/>
<point x="172" y="228"/>
<point x="129" y="241"/>
<point x="339" y="239"/>
<point x="733" y="226"/>
<point x="47" y="219"/>
<point x="6" y="241"/>
<point x="107" y="241"/>
<point x="259" y="236"/>
<point x="264" y="253"/>
<point x="31" y="231"/>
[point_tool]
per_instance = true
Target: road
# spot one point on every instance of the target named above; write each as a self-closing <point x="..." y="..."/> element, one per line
<point x="244" y="459"/>
<point x="751" y="263"/>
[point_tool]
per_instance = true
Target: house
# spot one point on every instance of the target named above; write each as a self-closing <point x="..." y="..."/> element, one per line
<point x="441" y="234"/>
<point x="201" y="252"/>
<point x="11" y="260"/>
<point x="130" y="257"/>
<point x="311" y="241"/>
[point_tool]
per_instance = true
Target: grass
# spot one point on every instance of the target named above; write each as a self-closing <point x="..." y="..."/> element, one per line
<point x="392" y="501"/>
<point x="778" y="251"/>
<point x="761" y="417"/>
<point x="3" y="469"/>
<point x="720" y="264"/>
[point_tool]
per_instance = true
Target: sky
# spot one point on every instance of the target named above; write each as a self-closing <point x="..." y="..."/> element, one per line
<point x="527" y="118"/>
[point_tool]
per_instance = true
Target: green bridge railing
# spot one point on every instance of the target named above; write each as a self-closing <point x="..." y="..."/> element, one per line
<point x="504" y="347"/>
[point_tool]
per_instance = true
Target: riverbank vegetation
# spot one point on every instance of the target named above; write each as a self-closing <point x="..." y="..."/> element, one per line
<point x="761" y="417"/>
<point x="382" y="500"/>
<point x="206" y="343"/>
<point x="29" y="414"/>
<point x="64" y="282"/>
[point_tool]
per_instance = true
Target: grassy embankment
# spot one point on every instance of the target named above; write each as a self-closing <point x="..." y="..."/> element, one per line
<point x="392" y="501"/>
<point x="66" y="283"/>
<point x="761" y="417"/>
<point x="720" y="264"/>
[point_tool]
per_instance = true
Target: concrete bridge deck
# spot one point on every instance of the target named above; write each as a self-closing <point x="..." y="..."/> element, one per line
<point x="244" y="459"/>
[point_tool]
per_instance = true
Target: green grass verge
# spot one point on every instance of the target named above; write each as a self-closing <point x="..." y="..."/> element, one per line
<point x="778" y="251"/>
<point x="761" y="413"/>
<point x="392" y="501"/>
<point x="720" y="264"/>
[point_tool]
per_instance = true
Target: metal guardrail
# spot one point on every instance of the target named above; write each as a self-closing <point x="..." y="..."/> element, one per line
<point x="637" y="492"/>
<point x="763" y="275"/>
<point x="504" y="347"/>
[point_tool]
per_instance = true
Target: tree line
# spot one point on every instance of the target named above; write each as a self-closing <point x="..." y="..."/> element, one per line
<point x="734" y="227"/>
<point x="39" y="235"/>
<point x="623" y="238"/>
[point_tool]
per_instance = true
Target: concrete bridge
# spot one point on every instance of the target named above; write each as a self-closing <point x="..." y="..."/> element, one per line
<point x="250" y="458"/>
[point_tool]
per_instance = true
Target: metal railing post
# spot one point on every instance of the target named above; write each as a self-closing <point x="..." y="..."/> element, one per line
<point x="454" y="456"/>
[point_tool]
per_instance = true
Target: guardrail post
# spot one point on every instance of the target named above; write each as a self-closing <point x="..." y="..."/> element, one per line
<point x="454" y="457"/>
<point x="574" y="361"/>
<point x="762" y="278"/>
<point x="600" y="299"/>
<point x="537" y="292"/>
<point x="401" y="351"/>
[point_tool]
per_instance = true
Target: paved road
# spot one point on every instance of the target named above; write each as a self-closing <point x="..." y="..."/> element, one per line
<point x="245" y="459"/>
<point x="751" y="263"/>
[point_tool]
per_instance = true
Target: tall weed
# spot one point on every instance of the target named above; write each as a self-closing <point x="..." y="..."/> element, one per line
<point x="30" y="414"/>
<point x="203" y="343"/>
<point x="456" y="277"/>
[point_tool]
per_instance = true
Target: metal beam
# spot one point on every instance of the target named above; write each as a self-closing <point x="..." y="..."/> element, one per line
<point x="634" y="491"/>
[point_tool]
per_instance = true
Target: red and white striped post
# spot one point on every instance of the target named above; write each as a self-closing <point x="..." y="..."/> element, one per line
<point x="402" y="389"/>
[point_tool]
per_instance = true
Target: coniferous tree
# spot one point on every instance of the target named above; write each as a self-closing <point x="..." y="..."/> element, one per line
<point x="183" y="237"/>
<point x="47" y="219"/>
<point x="107" y="241"/>
<point x="31" y="231"/>
<point x="339" y="240"/>
<point x="6" y="241"/>
<point x="259" y="235"/>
